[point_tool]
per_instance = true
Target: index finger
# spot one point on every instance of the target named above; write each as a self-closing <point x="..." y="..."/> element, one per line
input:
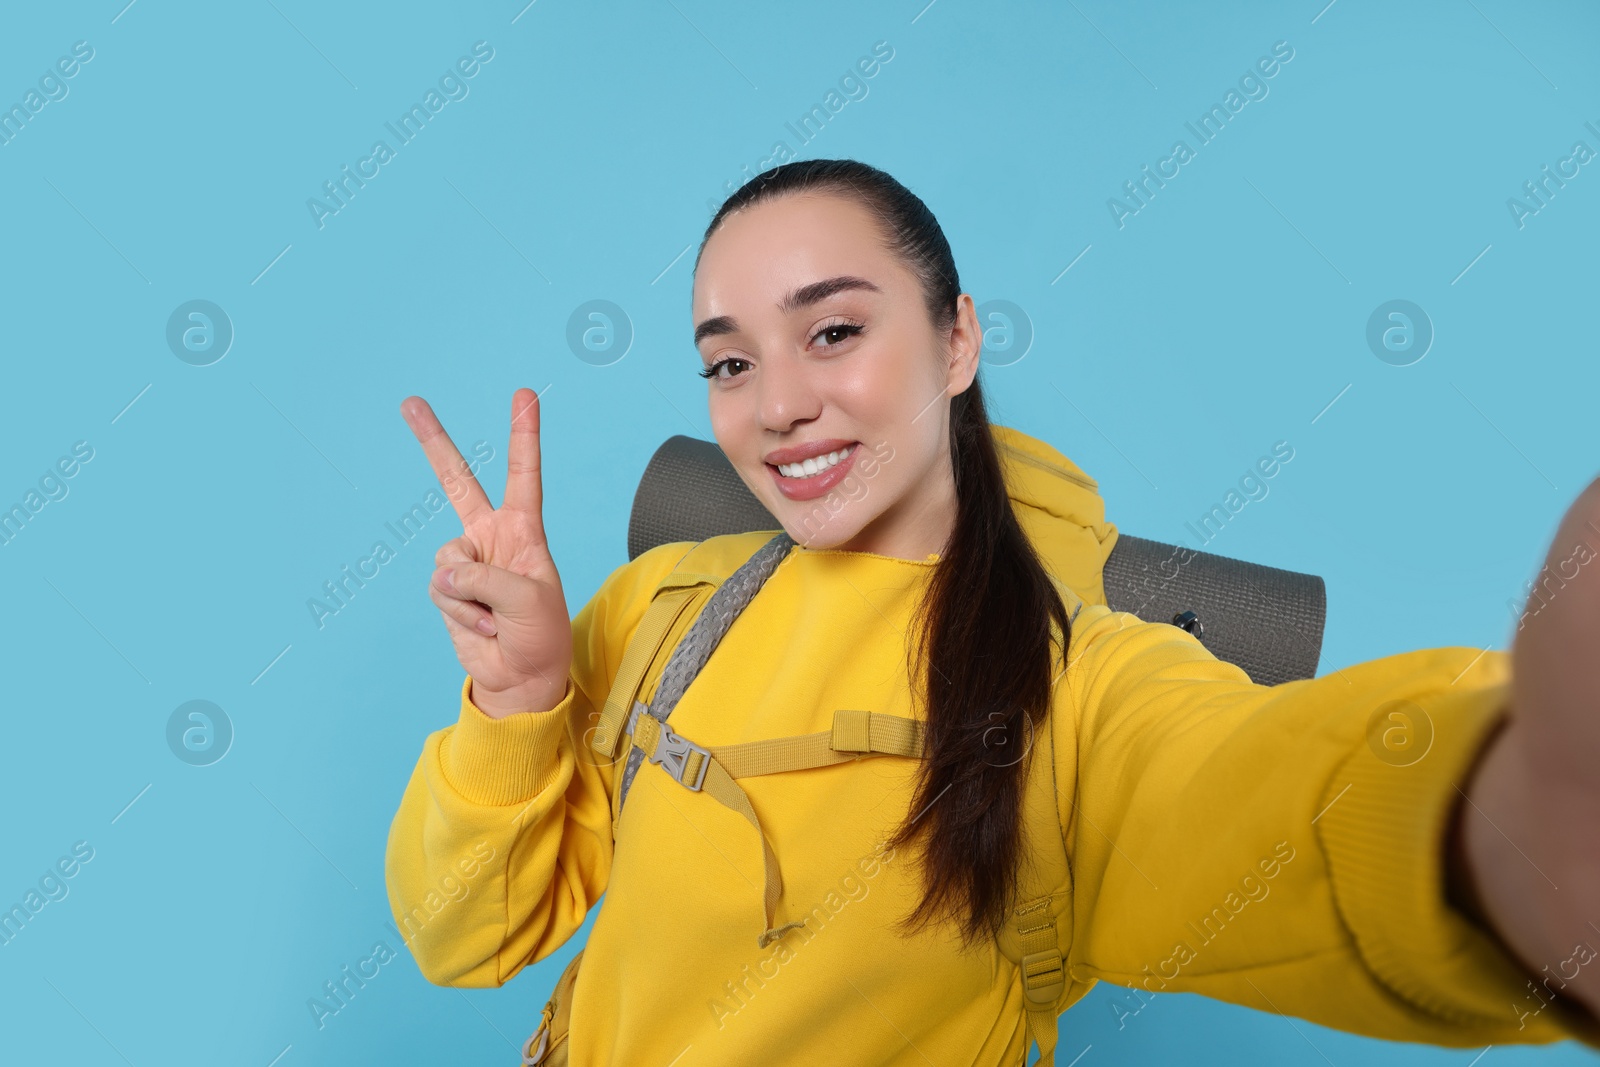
<point x="465" y="494"/>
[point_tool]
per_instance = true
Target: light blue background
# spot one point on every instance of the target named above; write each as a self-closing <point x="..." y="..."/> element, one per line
<point x="1226" y="315"/>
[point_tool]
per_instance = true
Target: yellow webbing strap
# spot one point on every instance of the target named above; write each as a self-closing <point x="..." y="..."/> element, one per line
<point x="658" y="620"/>
<point x="1043" y="969"/>
<point x="647" y="733"/>
<point x="855" y="734"/>
<point x="1043" y="974"/>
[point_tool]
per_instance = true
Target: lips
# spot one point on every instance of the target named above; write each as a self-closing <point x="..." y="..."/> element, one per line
<point x="810" y="450"/>
<point x="824" y="476"/>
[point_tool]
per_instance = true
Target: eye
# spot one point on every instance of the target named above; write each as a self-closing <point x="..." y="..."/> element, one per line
<point x="714" y="370"/>
<point x="844" y="329"/>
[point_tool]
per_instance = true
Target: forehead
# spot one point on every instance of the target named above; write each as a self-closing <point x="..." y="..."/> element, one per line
<point x="760" y="253"/>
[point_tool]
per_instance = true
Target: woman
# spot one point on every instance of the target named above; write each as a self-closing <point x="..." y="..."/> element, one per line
<point x="1226" y="838"/>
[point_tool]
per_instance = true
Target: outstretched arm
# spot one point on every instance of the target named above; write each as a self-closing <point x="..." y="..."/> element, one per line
<point x="1284" y="847"/>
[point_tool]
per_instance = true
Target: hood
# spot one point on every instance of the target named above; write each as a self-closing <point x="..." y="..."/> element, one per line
<point x="1060" y="509"/>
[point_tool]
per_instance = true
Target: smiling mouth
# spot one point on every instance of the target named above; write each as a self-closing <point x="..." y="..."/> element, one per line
<point x="810" y="468"/>
<point x="810" y="478"/>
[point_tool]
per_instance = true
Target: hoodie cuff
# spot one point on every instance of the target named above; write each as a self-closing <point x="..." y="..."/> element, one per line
<point x="1385" y="829"/>
<point x="507" y="760"/>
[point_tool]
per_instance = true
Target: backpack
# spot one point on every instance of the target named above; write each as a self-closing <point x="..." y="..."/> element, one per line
<point x="1039" y="930"/>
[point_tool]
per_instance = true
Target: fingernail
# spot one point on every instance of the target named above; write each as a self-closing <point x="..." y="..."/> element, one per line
<point x="486" y="627"/>
<point x="446" y="581"/>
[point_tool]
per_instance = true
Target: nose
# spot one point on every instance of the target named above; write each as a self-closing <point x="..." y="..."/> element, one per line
<point x="787" y="394"/>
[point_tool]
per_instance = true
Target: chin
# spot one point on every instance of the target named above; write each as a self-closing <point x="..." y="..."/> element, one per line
<point x="815" y="526"/>
<point x="820" y="540"/>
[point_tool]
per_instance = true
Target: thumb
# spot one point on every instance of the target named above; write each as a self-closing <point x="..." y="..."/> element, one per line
<point x="493" y="586"/>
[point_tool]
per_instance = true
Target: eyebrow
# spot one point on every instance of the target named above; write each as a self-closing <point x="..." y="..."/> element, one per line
<point x="802" y="297"/>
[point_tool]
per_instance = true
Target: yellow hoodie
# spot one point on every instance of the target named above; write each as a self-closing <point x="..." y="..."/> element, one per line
<point x="1240" y="841"/>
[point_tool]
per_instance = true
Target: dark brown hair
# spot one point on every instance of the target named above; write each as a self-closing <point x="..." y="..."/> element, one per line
<point x="984" y="623"/>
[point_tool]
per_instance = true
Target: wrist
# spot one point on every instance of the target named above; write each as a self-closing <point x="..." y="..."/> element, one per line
<point x="1518" y="842"/>
<point x="498" y="704"/>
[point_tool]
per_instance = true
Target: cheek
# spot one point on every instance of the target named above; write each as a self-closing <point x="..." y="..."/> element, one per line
<point x="882" y="402"/>
<point x="727" y="426"/>
<point x="736" y="432"/>
<point x="900" y="404"/>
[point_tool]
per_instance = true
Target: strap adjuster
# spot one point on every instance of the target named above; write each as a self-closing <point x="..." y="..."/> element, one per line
<point x="1043" y="978"/>
<point x="672" y="750"/>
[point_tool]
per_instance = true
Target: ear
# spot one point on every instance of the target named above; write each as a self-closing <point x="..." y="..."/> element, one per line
<point x="966" y="344"/>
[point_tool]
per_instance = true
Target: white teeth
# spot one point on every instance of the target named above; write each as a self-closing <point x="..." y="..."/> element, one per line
<point x="813" y="466"/>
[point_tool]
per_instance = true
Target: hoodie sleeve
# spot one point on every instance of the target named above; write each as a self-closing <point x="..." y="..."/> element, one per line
<point x="1282" y="847"/>
<point x="502" y="841"/>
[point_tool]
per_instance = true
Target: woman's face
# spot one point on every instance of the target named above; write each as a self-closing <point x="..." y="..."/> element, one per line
<point x="830" y="390"/>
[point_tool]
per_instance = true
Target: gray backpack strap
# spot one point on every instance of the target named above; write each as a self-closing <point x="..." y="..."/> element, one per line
<point x="695" y="649"/>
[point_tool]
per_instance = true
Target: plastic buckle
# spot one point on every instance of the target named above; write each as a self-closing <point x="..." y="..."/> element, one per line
<point x="1043" y="978"/>
<point x="673" y="751"/>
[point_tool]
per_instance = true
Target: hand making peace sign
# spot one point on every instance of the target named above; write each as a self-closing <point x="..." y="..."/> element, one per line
<point x="496" y="585"/>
